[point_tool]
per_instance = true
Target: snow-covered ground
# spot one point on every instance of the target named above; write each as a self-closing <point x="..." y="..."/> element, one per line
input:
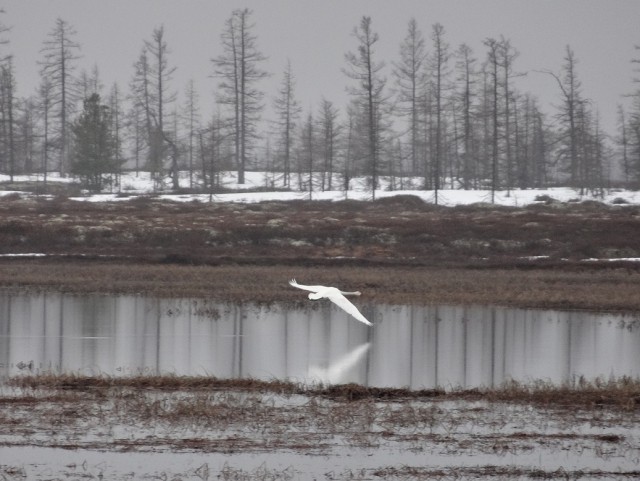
<point x="141" y="184"/>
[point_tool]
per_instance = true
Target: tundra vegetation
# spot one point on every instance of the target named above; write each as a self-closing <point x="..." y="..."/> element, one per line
<point x="395" y="250"/>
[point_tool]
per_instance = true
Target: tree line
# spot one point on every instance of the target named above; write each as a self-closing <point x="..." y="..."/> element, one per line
<point x="434" y="117"/>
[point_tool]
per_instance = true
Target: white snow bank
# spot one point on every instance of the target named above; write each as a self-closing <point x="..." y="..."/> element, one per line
<point x="133" y="185"/>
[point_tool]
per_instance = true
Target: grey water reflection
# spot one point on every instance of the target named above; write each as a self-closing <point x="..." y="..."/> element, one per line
<point x="408" y="346"/>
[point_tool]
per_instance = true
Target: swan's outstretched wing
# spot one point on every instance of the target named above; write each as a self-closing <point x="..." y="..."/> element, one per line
<point x="335" y="296"/>
<point x="348" y="307"/>
<point x="306" y="288"/>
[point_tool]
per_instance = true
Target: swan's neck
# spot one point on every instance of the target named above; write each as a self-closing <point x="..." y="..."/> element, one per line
<point x="355" y="293"/>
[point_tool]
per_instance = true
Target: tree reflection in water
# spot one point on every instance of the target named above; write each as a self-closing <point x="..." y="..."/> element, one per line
<point x="409" y="346"/>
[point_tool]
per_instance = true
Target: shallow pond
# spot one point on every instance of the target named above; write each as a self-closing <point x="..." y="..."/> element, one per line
<point x="409" y="346"/>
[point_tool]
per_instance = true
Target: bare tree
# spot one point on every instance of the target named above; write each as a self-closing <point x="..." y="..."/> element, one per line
<point x="27" y="133"/>
<point x="634" y="141"/>
<point x="140" y="115"/>
<point x="622" y="140"/>
<point x="287" y="112"/>
<point x="408" y="73"/>
<point x="238" y="67"/>
<point x="45" y="102"/>
<point x="3" y="40"/>
<point x="467" y="74"/>
<point x="212" y="141"/>
<point x="508" y="55"/>
<point x="540" y="148"/>
<point x="369" y="93"/>
<point x="525" y="121"/>
<point x="141" y="95"/>
<point x="438" y="67"/>
<point x="633" y="123"/>
<point x="191" y="119"/>
<point x="396" y="166"/>
<point x="115" y="106"/>
<point x="135" y="135"/>
<point x="7" y="109"/>
<point x="308" y="151"/>
<point x="350" y="146"/>
<point x="7" y="105"/>
<point x="329" y="133"/>
<point x="60" y="51"/>
<point x="569" y="110"/>
<point x="493" y="63"/>
<point x="89" y="83"/>
<point x="159" y="76"/>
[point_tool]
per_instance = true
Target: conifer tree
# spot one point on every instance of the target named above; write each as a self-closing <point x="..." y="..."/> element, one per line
<point x="95" y="145"/>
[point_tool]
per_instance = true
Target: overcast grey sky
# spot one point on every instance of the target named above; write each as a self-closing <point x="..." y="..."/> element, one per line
<point x="315" y="34"/>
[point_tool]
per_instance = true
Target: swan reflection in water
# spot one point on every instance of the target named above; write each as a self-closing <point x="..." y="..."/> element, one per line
<point x="335" y="372"/>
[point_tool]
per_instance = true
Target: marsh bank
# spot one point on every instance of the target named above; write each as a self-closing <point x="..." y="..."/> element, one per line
<point x="395" y="250"/>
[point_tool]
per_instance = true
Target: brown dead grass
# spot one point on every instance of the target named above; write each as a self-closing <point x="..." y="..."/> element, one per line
<point x="497" y="472"/>
<point x="397" y="231"/>
<point x="589" y="289"/>
<point x="623" y="393"/>
<point x="397" y="250"/>
<point x="208" y="415"/>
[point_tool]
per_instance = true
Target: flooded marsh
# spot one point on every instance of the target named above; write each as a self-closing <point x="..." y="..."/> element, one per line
<point x="128" y="387"/>
<point x="119" y="429"/>
<point x="409" y="346"/>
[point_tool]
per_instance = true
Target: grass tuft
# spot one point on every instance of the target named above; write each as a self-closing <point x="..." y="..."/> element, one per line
<point x="622" y="393"/>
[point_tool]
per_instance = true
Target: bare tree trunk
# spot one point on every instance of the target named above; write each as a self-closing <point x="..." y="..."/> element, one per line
<point x="238" y="69"/>
<point x="369" y="91"/>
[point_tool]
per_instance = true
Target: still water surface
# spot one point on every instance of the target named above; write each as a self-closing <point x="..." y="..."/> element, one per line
<point x="409" y="346"/>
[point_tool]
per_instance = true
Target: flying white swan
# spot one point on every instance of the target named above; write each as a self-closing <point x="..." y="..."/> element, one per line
<point x="334" y="295"/>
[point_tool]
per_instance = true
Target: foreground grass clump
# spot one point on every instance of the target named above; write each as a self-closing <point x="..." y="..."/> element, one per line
<point x="73" y="382"/>
<point x="622" y="393"/>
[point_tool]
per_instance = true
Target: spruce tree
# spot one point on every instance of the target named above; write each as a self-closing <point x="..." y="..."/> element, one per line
<point x="95" y="145"/>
